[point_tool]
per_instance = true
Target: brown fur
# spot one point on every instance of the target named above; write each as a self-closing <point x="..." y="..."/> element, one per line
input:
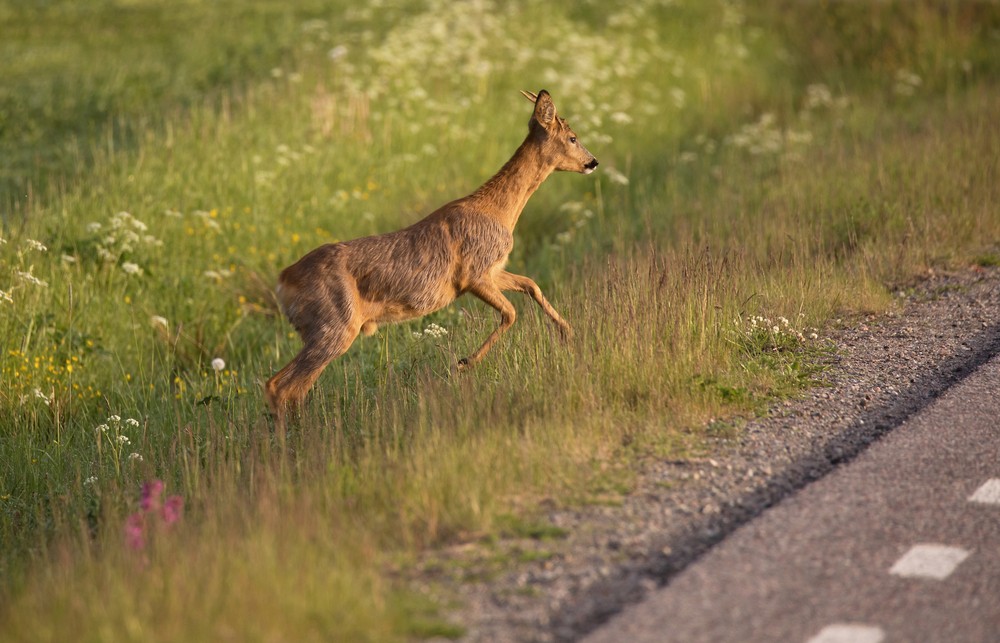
<point x="339" y="290"/>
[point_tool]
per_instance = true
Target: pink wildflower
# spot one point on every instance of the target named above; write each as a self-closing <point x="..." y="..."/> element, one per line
<point x="153" y="511"/>
<point x="135" y="531"/>
<point x="151" y="492"/>
<point x="172" y="510"/>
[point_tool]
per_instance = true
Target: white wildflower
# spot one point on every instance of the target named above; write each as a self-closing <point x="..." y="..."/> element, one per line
<point x="337" y="52"/>
<point x="93" y="227"/>
<point x="42" y="396"/>
<point x="31" y="244"/>
<point x="131" y="268"/>
<point x="818" y="95"/>
<point x="115" y="418"/>
<point x="92" y="480"/>
<point x="31" y="279"/>
<point x="621" y="118"/>
<point x="218" y="364"/>
<point x="435" y="331"/>
<point x="906" y="82"/>
<point x="102" y="428"/>
<point x="5" y="296"/>
<point x="123" y="440"/>
<point x="132" y="422"/>
<point x="678" y="96"/>
<point x="134" y="457"/>
<point x="799" y="138"/>
<point x="616" y="177"/>
<point x="813" y="336"/>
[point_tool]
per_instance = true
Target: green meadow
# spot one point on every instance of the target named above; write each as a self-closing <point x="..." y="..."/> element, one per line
<point x="768" y="170"/>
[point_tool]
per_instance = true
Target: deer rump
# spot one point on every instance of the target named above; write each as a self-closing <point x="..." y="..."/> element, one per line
<point x="394" y="276"/>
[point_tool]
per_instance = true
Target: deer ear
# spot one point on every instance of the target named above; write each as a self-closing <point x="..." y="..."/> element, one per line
<point x="545" y="110"/>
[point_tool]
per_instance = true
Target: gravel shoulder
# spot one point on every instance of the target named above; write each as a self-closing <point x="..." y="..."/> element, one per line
<point x="885" y="368"/>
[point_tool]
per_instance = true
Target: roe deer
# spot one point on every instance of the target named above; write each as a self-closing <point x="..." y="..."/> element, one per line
<point x="340" y="289"/>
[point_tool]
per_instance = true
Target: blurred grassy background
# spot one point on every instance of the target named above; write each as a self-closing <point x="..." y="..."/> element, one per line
<point x="765" y="170"/>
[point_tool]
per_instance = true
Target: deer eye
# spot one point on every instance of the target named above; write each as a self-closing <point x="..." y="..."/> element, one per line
<point x="572" y="139"/>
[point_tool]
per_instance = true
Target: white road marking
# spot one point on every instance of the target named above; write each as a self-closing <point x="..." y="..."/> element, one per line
<point x="929" y="561"/>
<point x="988" y="493"/>
<point x="848" y="633"/>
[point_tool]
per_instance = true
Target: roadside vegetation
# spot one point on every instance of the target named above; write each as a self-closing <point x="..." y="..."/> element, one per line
<point x="765" y="173"/>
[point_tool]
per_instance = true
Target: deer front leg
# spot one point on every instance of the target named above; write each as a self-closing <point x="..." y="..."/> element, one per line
<point x="490" y="293"/>
<point x="510" y="281"/>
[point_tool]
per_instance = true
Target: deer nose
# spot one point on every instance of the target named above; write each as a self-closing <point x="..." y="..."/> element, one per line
<point x="591" y="165"/>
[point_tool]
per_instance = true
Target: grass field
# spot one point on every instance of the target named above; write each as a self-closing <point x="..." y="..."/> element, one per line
<point x="766" y="172"/>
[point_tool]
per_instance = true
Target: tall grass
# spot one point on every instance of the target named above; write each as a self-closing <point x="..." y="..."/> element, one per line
<point x="757" y="186"/>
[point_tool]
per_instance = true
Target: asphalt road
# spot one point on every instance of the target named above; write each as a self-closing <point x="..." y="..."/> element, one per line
<point x="902" y="543"/>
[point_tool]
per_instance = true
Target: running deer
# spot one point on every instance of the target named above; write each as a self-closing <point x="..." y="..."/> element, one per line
<point x="341" y="289"/>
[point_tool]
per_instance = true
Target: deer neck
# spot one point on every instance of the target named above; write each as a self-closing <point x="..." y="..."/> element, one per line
<point x="504" y="196"/>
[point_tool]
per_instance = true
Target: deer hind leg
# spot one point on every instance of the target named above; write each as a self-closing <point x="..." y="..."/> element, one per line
<point x="288" y="388"/>
<point x="490" y="293"/>
<point x="510" y="281"/>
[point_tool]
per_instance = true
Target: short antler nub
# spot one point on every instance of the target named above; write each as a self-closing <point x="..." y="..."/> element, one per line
<point x="529" y="96"/>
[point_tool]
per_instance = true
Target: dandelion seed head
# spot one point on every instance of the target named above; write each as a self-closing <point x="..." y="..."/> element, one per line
<point x="218" y="364"/>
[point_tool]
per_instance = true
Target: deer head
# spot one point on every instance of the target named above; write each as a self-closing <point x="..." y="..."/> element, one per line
<point x="559" y="141"/>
